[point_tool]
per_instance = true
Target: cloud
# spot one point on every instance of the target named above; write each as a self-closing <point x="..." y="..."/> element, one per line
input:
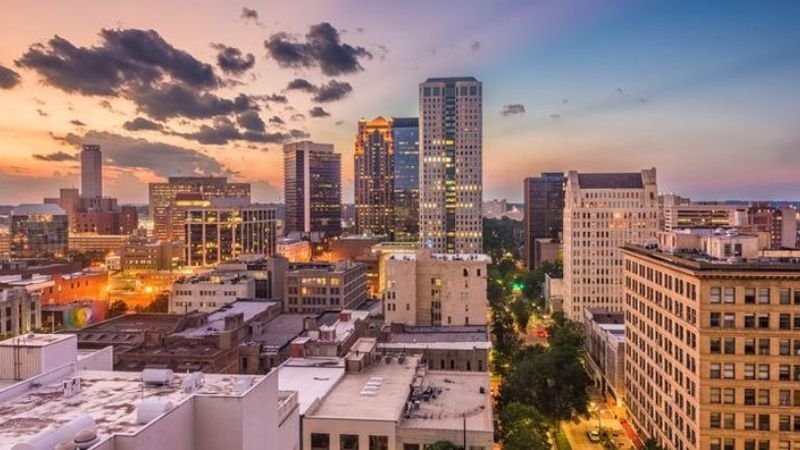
<point x="317" y="111"/>
<point x="297" y="116"/>
<point x="273" y="98"/>
<point x="298" y="134"/>
<point x="223" y="131"/>
<point x="105" y="104"/>
<point x="232" y="61"/>
<point x="140" y="123"/>
<point x="251" y="121"/>
<point x="300" y="84"/>
<point x="555" y="116"/>
<point x="124" y="57"/>
<point x="8" y="78"/>
<point x="322" y="48"/>
<point x="56" y="157"/>
<point x="276" y="120"/>
<point x="162" y="159"/>
<point x="475" y="46"/>
<point x="332" y="91"/>
<point x="176" y="100"/>
<point x="512" y="109"/>
<point x="42" y="112"/>
<point x="77" y="123"/>
<point x="249" y="14"/>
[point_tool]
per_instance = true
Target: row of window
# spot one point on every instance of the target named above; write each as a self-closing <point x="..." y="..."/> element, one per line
<point x="727" y="371"/>
<point x="752" y="396"/>
<point x="752" y="296"/>
<point x="752" y="346"/>
<point x="752" y="444"/>
<point x="752" y="321"/>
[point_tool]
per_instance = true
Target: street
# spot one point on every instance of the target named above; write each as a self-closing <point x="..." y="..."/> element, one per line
<point x="576" y="431"/>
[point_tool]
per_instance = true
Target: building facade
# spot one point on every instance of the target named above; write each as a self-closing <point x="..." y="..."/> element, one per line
<point x="20" y="311"/>
<point x="712" y="350"/>
<point x="451" y="172"/>
<point x="405" y="137"/>
<point x="91" y="172"/>
<point x="312" y="188"/>
<point x="780" y="223"/>
<point x="320" y="287"/>
<point x="224" y="230"/>
<point x="604" y="342"/>
<point x="374" y="177"/>
<point x="38" y="231"/>
<point x="422" y="288"/>
<point x="162" y="197"/>
<point x="544" y="213"/>
<point x="209" y="292"/>
<point x="602" y="212"/>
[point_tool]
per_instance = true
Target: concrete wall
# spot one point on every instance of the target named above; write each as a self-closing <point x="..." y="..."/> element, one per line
<point x="336" y="427"/>
<point x="175" y="430"/>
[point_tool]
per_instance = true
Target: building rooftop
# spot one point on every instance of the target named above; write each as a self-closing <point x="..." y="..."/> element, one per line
<point x="312" y="378"/>
<point x="216" y="319"/>
<point x="610" y="180"/>
<point x="280" y="331"/>
<point x="700" y="262"/>
<point x="336" y="267"/>
<point x="215" y="277"/>
<point x="459" y="396"/>
<point x="35" y="340"/>
<point x="112" y="399"/>
<point x="450" y="337"/>
<point x="37" y="208"/>
<point x="446" y="79"/>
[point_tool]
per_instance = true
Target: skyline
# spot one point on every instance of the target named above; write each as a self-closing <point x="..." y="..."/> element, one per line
<point x="614" y="86"/>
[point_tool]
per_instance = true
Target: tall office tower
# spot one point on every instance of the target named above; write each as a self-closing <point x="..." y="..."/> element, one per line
<point x="712" y="349"/>
<point x="167" y="216"/>
<point x="451" y="179"/>
<point x="312" y="186"/>
<point x="544" y="214"/>
<point x="374" y="177"/>
<point x="405" y="137"/>
<point x="91" y="172"/>
<point x="602" y="212"/>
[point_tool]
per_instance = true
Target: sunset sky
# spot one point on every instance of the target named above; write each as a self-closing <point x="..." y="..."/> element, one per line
<point x="707" y="92"/>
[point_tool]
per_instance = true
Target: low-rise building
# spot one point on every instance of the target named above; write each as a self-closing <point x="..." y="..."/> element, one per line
<point x="320" y="287"/>
<point x="142" y="255"/>
<point x="435" y="289"/>
<point x="93" y="242"/>
<point x="58" y="397"/>
<point x="553" y="293"/>
<point x="207" y="292"/>
<point x="461" y="348"/>
<point x="604" y="333"/>
<point x="295" y="249"/>
<point x="60" y="288"/>
<point x="20" y="311"/>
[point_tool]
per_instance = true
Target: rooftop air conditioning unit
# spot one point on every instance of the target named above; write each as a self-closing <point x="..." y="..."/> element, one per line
<point x="151" y="408"/>
<point x="159" y="377"/>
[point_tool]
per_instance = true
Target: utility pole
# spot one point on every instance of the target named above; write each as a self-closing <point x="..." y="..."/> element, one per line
<point x="465" y="430"/>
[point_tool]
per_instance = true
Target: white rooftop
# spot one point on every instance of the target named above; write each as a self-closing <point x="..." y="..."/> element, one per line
<point x="35" y="340"/>
<point x="312" y="378"/>
<point x="216" y="320"/>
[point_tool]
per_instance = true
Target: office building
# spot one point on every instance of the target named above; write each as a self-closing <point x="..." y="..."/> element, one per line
<point x="91" y="172"/>
<point x="374" y="177"/>
<point x="703" y="215"/>
<point x="312" y="188"/>
<point x="461" y="348"/>
<point x="712" y="348"/>
<point x="39" y="230"/>
<point x="20" y="311"/>
<point x="602" y="212"/>
<point x="604" y="341"/>
<point x="422" y="288"/>
<point x="58" y="397"/>
<point x="210" y="291"/>
<point x="405" y="137"/>
<point x="451" y="183"/>
<point x="225" y="229"/>
<point x="320" y="287"/>
<point x="543" y="217"/>
<point x="780" y="223"/>
<point x="168" y="218"/>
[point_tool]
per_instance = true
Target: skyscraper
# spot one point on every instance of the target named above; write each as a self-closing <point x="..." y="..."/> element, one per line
<point x="374" y="177"/>
<point x="405" y="137"/>
<point x="544" y="212"/>
<point x="168" y="216"/>
<point x="91" y="172"/>
<point x="451" y="184"/>
<point x="602" y="212"/>
<point x="312" y="186"/>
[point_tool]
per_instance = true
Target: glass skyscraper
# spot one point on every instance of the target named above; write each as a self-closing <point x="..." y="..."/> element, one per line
<point x="405" y="136"/>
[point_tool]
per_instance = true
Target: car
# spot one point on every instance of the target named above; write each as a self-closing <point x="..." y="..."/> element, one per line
<point x="593" y="435"/>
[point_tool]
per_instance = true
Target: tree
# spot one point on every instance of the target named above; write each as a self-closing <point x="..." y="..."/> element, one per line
<point x="506" y="340"/>
<point x="442" y="445"/>
<point x="523" y="428"/>
<point x="160" y="304"/>
<point x="566" y="335"/>
<point x="652" y="444"/>
<point x="521" y="309"/>
<point x="117" y="308"/>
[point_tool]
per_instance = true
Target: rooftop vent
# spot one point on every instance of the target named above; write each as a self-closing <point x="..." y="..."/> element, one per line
<point x="151" y="408"/>
<point x="193" y="382"/>
<point x="158" y="377"/>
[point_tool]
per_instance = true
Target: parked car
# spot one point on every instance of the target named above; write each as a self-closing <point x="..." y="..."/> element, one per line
<point x="593" y="435"/>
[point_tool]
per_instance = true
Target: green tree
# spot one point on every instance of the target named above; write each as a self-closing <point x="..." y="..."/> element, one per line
<point x="502" y="237"/>
<point x="506" y="340"/>
<point x="442" y="445"/>
<point x="566" y="335"/>
<point x="521" y="309"/>
<point x="160" y="304"/>
<point x="117" y="308"/>
<point x="523" y="428"/>
<point x="652" y="444"/>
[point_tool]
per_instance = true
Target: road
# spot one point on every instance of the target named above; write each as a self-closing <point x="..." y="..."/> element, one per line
<point x="576" y="431"/>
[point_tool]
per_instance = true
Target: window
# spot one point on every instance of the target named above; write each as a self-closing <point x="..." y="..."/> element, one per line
<point x="716" y="295"/>
<point x="715" y="420"/>
<point x="749" y="320"/>
<point x="714" y="444"/>
<point x="714" y="319"/>
<point x="763" y="397"/>
<point x="729" y="320"/>
<point x="763" y="346"/>
<point x="730" y="295"/>
<point x="763" y="422"/>
<point x="320" y="441"/>
<point x="749" y="396"/>
<point x="784" y="321"/>
<point x="783" y="372"/>
<point x="784" y="297"/>
<point x="348" y="441"/>
<point x="749" y="421"/>
<point x="729" y="444"/>
<point x="729" y="396"/>
<point x="763" y="321"/>
<point x="749" y="346"/>
<point x="378" y="442"/>
<point x="784" y="347"/>
<point x="715" y="346"/>
<point x="729" y="371"/>
<point x="784" y="423"/>
<point x="714" y="371"/>
<point x="749" y="296"/>
<point x="729" y="421"/>
<point x="785" y="397"/>
<point x="730" y="346"/>
<point x="749" y="371"/>
<point x="763" y="296"/>
<point x="715" y="396"/>
<point x="763" y="371"/>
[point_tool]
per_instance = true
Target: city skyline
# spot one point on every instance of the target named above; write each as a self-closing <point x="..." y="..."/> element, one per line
<point x="582" y="85"/>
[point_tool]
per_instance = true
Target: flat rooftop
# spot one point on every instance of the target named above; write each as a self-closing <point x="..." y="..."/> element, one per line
<point x="700" y="262"/>
<point x="216" y="319"/>
<point x="279" y="331"/>
<point x="387" y="402"/>
<point x="312" y="378"/>
<point x="35" y="340"/>
<point x="460" y="396"/>
<point x="459" y="337"/>
<point x="111" y="398"/>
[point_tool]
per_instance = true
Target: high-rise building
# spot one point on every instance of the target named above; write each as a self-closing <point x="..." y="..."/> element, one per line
<point x="422" y="288"/>
<point x="451" y="184"/>
<point x="712" y="351"/>
<point x="780" y="223"/>
<point x="91" y="172"/>
<point x="544" y="213"/>
<point x="168" y="218"/>
<point x="602" y="212"/>
<point x="405" y="137"/>
<point x="312" y="188"/>
<point x="225" y="229"/>
<point x="38" y="231"/>
<point x="374" y="177"/>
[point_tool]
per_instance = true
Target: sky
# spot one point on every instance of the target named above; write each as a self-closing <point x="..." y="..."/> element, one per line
<point x="706" y="92"/>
